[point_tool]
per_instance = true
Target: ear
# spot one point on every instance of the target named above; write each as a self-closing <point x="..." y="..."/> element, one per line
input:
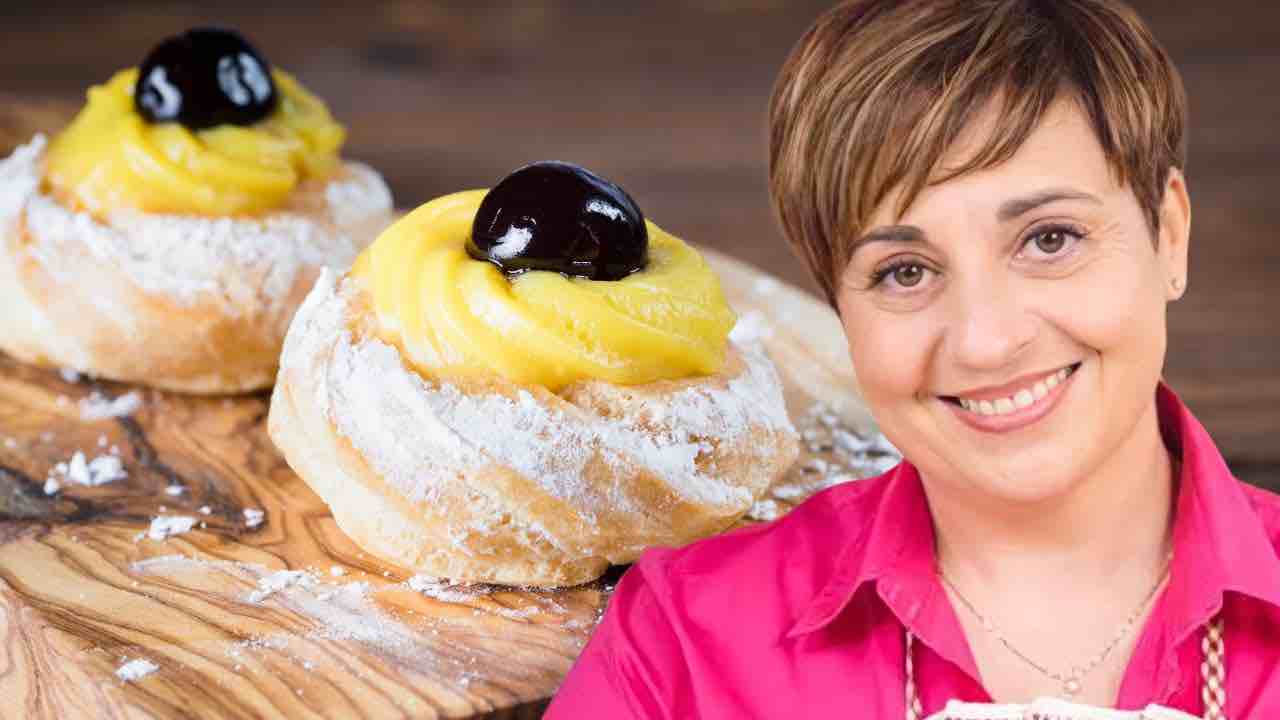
<point x="1175" y="234"/>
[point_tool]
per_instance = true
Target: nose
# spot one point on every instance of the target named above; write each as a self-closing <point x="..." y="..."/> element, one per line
<point x="990" y="325"/>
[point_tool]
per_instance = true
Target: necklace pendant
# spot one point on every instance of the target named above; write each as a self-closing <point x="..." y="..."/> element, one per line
<point x="1071" y="686"/>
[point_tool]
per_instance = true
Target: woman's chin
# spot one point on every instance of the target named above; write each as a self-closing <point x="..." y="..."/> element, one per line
<point x="1027" y="489"/>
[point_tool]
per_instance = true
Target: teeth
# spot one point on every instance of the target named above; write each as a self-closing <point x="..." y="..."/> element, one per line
<point x="1021" y="399"/>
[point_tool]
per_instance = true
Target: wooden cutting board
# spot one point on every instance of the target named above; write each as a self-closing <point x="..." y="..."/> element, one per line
<point x="85" y="590"/>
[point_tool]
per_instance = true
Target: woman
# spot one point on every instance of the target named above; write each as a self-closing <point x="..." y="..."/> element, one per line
<point x="990" y="193"/>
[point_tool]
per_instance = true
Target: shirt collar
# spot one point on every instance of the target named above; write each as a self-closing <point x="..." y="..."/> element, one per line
<point x="896" y="553"/>
<point x="899" y="522"/>
<point x="1220" y="545"/>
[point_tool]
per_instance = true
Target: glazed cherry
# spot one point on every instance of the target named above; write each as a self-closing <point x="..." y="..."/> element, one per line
<point x="202" y="78"/>
<point x="560" y="217"/>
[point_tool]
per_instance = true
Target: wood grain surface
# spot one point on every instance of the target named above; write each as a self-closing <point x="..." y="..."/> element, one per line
<point x="84" y="588"/>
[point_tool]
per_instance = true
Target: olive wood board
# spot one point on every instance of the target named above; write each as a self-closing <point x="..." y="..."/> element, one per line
<point x="84" y="589"/>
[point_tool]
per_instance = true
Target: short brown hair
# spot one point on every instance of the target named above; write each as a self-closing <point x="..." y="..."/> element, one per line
<point x="877" y="90"/>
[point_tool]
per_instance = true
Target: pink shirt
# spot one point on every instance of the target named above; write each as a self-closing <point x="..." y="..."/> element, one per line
<point x="805" y="616"/>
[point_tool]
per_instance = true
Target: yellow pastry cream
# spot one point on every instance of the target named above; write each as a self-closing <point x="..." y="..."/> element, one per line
<point x="111" y="157"/>
<point x="451" y="313"/>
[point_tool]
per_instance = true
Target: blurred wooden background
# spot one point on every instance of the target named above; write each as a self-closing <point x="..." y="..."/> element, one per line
<point x="668" y="99"/>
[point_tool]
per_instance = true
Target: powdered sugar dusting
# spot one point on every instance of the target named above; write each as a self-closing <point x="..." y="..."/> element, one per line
<point x="341" y="611"/>
<point x="751" y="327"/>
<point x="765" y="510"/>
<point x="835" y="453"/>
<point x="543" y="438"/>
<point x="234" y="262"/>
<point x="334" y="612"/>
<point x="134" y="670"/>
<point x="166" y="526"/>
<point x="104" y="469"/>
<point x="20" y="177"/>
<point x="444" y="591"/>
<point x="358" y="196"/>
<point x="79" y="469"/>
<point x="100" y="407"/>
<point x="280" y="580"/>
<point x="253" y="517"/>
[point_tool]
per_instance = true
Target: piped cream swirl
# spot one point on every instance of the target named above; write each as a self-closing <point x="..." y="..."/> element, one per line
<point x="452" y="314"/>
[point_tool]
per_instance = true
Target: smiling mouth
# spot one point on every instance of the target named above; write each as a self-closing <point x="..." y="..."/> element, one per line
<point x="1019" y="399"/>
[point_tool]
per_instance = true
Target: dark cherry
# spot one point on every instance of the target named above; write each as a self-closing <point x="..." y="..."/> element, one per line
<point x="202" y="78"/>
<point x="560" y="217"/>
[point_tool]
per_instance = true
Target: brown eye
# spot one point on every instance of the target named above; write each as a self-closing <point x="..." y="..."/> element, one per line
<point x="908" y="275"/>
<point x="1052" y="242"/>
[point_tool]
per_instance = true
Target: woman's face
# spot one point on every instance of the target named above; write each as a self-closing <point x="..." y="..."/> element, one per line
<point x="1009" y="330"/>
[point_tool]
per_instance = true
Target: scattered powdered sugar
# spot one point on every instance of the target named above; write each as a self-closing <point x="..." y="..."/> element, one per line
<point x="350" y="615"/>
<point x="765" y="510"/>
<point x="174" y="490"/>
<point x="280" y="580"/>
<point x="136" y="669"/>
<point x="70" y="375"/>
<point x="338" y="612"/>
<point x="253" y="517"/>
<point x="99" y="407"/>
<point x="836" y="453"/>
<point x="233" y="261"/>
<point x="80" y="470"/>
<point x="167" y="526"/>
<point x="341" y="611"/>
<point x="347" y="614"/>
<point x="444" y="591"/>
<point x="106" y="468"/>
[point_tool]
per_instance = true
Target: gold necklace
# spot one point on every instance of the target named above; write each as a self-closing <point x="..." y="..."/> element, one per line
<point x="1213" y="688"/>
<point x="1072" y="680"/>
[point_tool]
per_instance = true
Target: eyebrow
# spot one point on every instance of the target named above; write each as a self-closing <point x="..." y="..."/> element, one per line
<point x="1015" y="207"/>
<point x="908" y="234"/>
<point x="1008" y="210"/>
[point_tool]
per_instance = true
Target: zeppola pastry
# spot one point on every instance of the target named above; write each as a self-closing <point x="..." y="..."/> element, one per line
<point x="525" y="386"/>
<point x="170" y="232"/>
